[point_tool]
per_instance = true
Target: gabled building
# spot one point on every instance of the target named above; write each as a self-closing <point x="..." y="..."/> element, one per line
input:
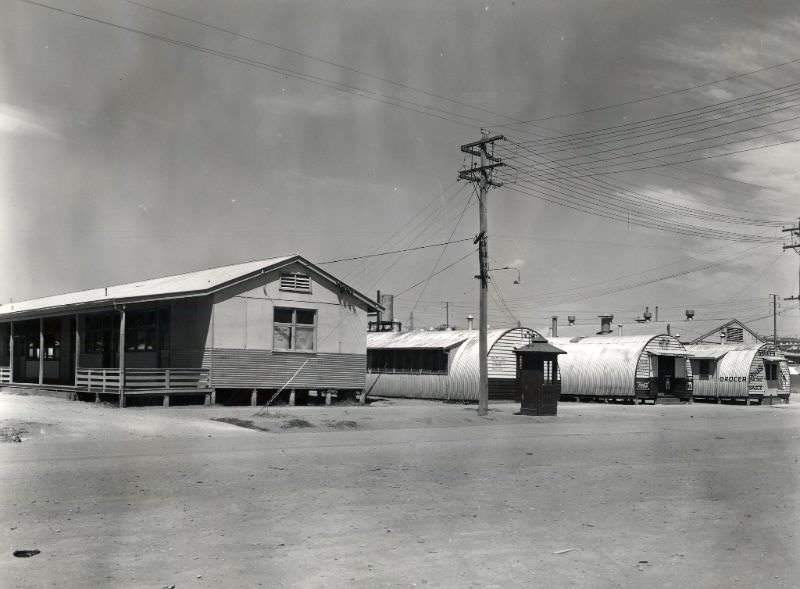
<point x="263" y="326"/>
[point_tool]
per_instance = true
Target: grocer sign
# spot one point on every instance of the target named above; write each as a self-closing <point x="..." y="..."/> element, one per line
<point x="733" y="379"/>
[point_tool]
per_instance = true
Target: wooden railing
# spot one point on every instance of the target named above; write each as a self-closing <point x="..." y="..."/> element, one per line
<point x="142" y="379"/>
<point x="101" y="380"/>
<point x="172" y="379"/>
<point x="5" y="374"/>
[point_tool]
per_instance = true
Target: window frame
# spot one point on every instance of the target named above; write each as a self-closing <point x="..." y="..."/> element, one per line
<point x="433" y="361"/>
<point x="293" y="329"/>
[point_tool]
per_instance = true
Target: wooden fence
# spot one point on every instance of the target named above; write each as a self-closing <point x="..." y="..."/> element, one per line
<point x="140" y="380"/>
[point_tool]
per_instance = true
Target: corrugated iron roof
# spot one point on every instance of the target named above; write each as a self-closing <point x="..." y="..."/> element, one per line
<point x="717" y="350"/>
<point x="187" y="284"/>
<point x="421" y="339"/>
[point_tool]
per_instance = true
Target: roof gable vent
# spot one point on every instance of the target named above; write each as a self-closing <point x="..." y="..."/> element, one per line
<point x="295" y="281"/>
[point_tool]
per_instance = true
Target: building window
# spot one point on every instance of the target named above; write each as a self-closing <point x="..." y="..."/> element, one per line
<point x="101" y="333"/>
<point x="771" y="371"/>
<point x="52" y="346"/>
<point x="296" y="282"/>
<point x="147" y="330"/>
<point x="704" y="368"/>
<point x="420" y="361"/>
<point x="550" y="372"/>
<point x="734" y="334"/>
<point x="294" y="329"/>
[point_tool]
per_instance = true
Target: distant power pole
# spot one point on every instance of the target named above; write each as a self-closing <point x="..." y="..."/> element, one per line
<point x="774" y="319"/>
<point x="795" y="245"/>
<point x="482" y="175"/>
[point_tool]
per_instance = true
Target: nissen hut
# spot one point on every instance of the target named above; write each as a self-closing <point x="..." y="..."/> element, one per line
<point x="626" y="368"/>
<point x="442" y="364"/>
<point x="242" y="332"/>
<point x="754" y="373"/>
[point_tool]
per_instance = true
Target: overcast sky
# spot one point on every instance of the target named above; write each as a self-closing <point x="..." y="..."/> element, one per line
<point x="136" y="144"/>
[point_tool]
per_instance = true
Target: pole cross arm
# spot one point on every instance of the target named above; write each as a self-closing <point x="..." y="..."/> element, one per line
<point x="465" y="176"/>
<point x="481" y="168"/>
<point x="483" y="141"/>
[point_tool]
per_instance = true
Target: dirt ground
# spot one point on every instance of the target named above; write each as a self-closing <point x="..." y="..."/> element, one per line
<point x="399" y="494"/>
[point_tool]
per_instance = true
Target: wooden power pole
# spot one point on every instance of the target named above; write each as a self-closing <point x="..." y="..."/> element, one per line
<point x="795" y="245"/>
<point x="482" y="175"/>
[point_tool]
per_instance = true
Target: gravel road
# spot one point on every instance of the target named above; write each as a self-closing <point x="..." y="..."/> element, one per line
<point x="407" y="494"/>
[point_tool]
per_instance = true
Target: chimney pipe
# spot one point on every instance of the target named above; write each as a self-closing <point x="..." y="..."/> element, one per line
<point x="619" y="329"/>
<point x="668" y="329"/>
<point x="571" y="319"/>
<point x="689" y="314"/>
<point x="469" y="322"/>
<point x="656" y="312"/>
<point x="554" y="329"/>
<point x="605" y="324"/>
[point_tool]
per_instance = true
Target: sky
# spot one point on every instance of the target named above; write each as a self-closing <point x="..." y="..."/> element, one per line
<point x="155" y="137"/>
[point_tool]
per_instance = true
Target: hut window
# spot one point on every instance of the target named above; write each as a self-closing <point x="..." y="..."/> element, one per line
<point x="771" y="371"/>
<point x="295" y="282"/>
<point x="550" y="371"/>
<point x="734" y="334"/>
<point x="704" y="368"/>
<point x="423" y="361"/>
<point x="294" y="329"/>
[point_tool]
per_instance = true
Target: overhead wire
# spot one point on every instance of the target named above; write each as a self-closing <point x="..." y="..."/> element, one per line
<point x="660" y="95"/>
<point x="619" y="191"/>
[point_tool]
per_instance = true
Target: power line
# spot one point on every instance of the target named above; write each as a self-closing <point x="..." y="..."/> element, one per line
<point x="319" y="59"/>
<point x="462" y="258"/>
<point x="312" y="79"/>
<point x="441" y="254"/>
<point x="668" y="119"/>
<point x="608" y="184"/>
<point x="656" y="96"/>
<point x="690" y="159"/>
<point x="410" y="249"/>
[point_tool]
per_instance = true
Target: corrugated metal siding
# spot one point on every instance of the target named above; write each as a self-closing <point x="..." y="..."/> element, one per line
<point x="739" y="371"/>
<point x="607" y="366"/>
<point x="461" y="382"/>
<point x="268" y="370"/>
<point x="733" y="371"/>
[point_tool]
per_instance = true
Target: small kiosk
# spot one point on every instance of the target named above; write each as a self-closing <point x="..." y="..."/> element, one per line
<point x="538" y="377"/>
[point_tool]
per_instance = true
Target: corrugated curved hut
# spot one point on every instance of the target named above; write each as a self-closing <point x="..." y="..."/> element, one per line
<point x="442" y="364"/>
<point x="751" y="372"/>
<point x="624" y="368"/>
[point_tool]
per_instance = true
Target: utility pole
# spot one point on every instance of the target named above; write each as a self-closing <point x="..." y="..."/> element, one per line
<point x="482" y="175"/>
<point x="447" y="314"/>
<point x="774" y="319"/>
<point x="795" y="245"/>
